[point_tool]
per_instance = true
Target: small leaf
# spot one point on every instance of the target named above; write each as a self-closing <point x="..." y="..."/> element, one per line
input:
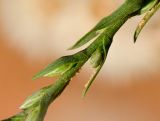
<point x="58" y="67"/>
<point x="85" y="39"/>
<point x="59" y="71"/>
<point x="36" y="97"/>
<point x="100" y="65"/>
<point x="95" y="32"/>
<point x="89" y="83"/>
<point x="145" y="19"/>
<point x="89" y="36"/>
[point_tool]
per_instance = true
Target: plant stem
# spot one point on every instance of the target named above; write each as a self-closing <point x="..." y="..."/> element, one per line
<point x="111" y="24"/>
<point x="115" y="21"/>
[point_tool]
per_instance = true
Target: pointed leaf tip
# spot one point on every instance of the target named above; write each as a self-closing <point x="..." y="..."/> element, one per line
<point x="89" y="83"/>
<point x="135" y="36"/>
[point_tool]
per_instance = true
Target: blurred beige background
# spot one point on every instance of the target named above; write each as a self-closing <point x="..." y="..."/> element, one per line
<point x="33" y="33"/>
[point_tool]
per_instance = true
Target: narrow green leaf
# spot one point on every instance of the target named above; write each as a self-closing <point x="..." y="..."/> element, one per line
<point x="58" y="67"/>
<point x="104" y="53"/>
<point x="89" y="83"/>
<point x="88" y="37"/>
<point x="33" y="99"/>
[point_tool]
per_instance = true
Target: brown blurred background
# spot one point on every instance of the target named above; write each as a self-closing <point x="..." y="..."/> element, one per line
<point x="33" y="33"/>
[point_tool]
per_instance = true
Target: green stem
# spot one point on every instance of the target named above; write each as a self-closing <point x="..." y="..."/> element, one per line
<point x="111" y="24"/>
<point x="114" y="22"/>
